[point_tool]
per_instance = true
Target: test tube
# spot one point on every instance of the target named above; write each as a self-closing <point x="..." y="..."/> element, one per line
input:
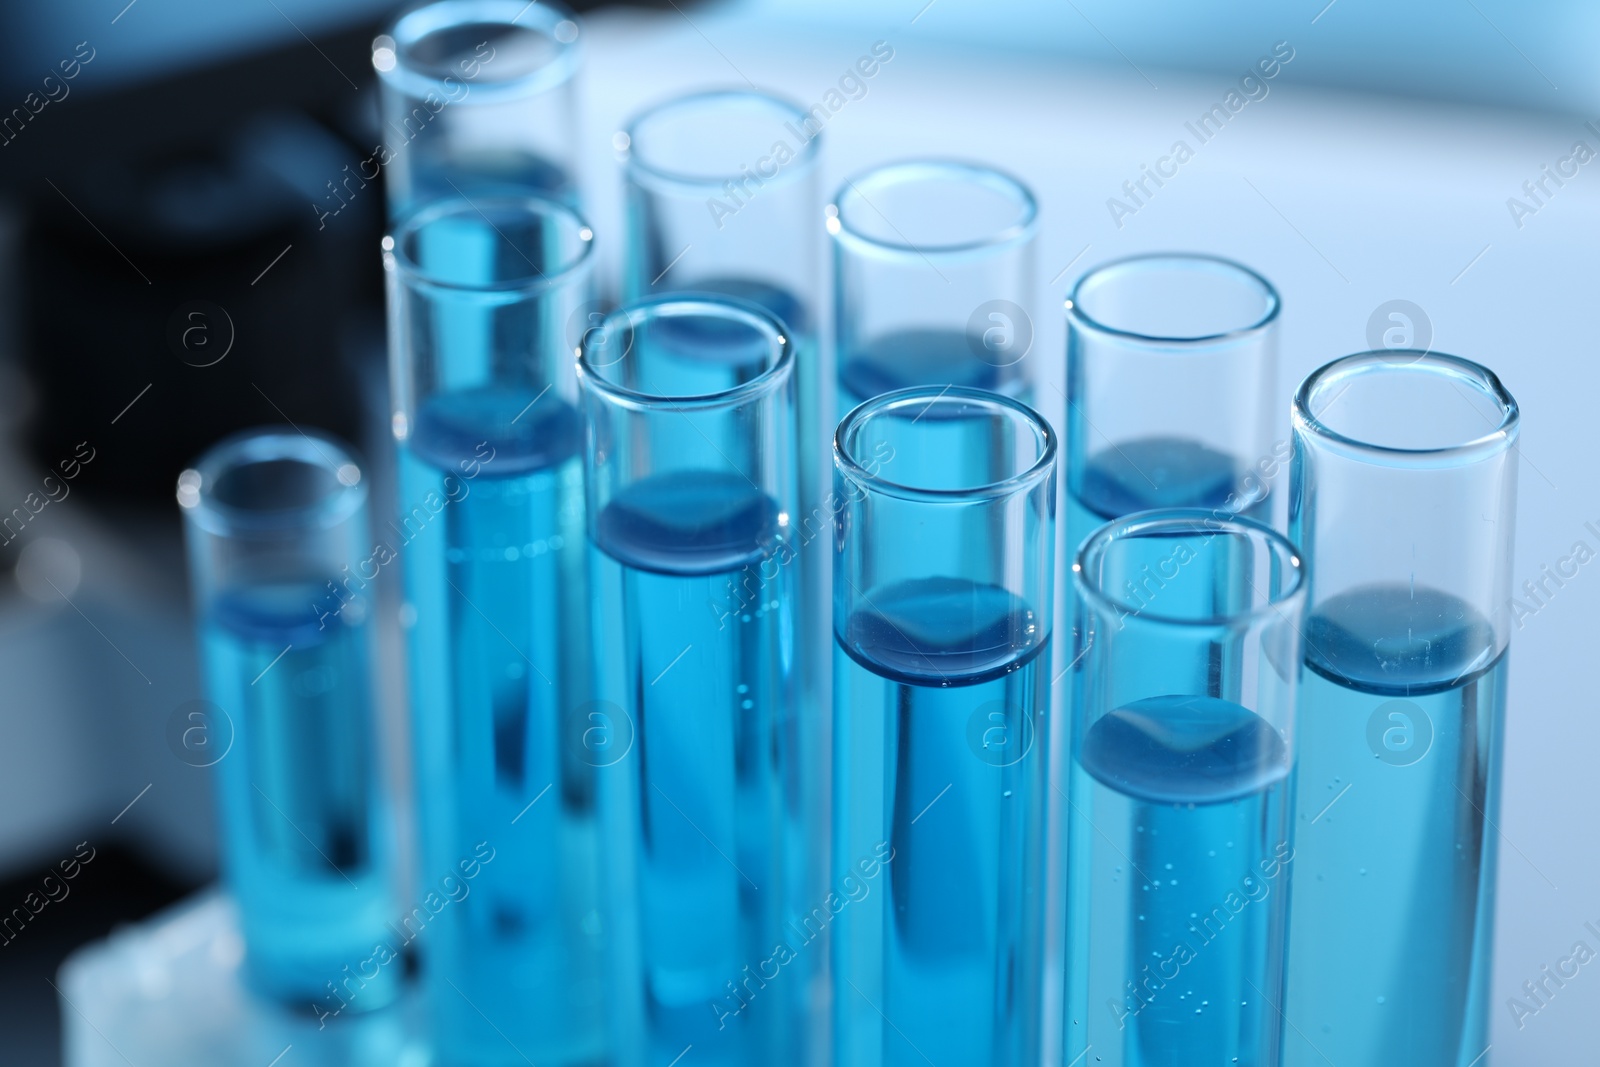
<point x="1403" y="495"/>
<point x="478" y="99"/>
<point x="490" y="538"/>
<point x="1171" y="394"/>
<point x="276" y="526"/>
<point x="942" y="620"/>
<point x="722" y="197"/>
<point x="1178" y="825"/>
<point x="933" y="280"/>
<point x="691" y="480"/>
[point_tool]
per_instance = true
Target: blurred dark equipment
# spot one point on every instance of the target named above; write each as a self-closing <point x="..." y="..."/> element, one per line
<point x="190" y="257"/>
<point x="194" y="254"/>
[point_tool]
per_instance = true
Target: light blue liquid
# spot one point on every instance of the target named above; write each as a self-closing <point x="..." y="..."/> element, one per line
<point x="706" y="824"/>
<point x="815" y="444"/>
<point x="491" y="535"/>
<point x="805" y="557"/>
<point x="937" y="701"/>
<point x="910" y="358"/>
<point x="305" y="842"/>
<point x="1156" y="472"/>
<point x="1178" y="860"/>
<point x="1395" y="847"/>
<point x="782" y="303"/>
<point x="483" y="174"/>
<point x="815" y="440"/>
<point x="928" y="358"/>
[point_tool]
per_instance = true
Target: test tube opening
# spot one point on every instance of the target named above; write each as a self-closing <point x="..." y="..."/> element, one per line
<point x="933" y="208"/>
<point x="1009" y="448"/>
<point x="1188" y="566"/>
<point x="494" y="244"/>
<point x="509" y="48"/>
<point x="1435" y="407"/>
<point x="693" y="351"/>
<point x="705" y="140"/>
<point x="269" y="481"/>
<point x="1173" y="298"/>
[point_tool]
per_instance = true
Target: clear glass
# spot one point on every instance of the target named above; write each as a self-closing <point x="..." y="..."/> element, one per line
<point x="1403" y="495"/>
<point x="1171" y="390"/>
<point x="722" y="197"/>
<point x="934" y="280"/>
<point x="1183" y="738"/>
<point x="478" y="99"/>
<point x="490" y="536"/>
<point x="708" y="793"/>
<point x="942" y="613"/>
<point x="276" y="526"/>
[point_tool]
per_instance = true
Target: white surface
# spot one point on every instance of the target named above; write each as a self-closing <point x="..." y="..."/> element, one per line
<point x="1344" y="202"/>
<point x="167" y="993"/>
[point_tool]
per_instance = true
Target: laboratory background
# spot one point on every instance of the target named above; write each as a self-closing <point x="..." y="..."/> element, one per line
<point x="209" y="225"/>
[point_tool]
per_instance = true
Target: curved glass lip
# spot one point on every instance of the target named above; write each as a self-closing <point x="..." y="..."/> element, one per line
<point x="1019" y="232"/>
<point x="1499" y="437"/>
<point x="713" y="305"/>
<point x="924" y="397"/>
<point x="394" y="244"/>
<point x="1188" y="521"/>
<point x="1196" y="260"/>
<point x="417" y="22"/>
<point x="272" y="444"/>
<point x="638" y="167"/>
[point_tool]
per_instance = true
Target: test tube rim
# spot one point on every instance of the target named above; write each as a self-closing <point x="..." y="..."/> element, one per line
<point x="394" y="245"/>
<point x="776" y="376"/>
<point x="1012" y="485"/>
<point x="550" y="14"/>
<point x="1189" y="520"/>
<point x="1020" y="232"/>
<point x="662" y="178"/>
<point x="265" y="444"/>
<point x="1499" y="439"/>
<point x="1083" y="320"/>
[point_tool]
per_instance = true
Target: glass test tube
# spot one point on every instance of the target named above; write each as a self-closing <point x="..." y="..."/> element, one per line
<point x="1403" y="495"/>
<point x="1178" y="829"/>
<point x="942" y="619"/>
<point x="276" y="526"/>
<point x="478" y="99"/>
<point x="691" y="482"/>
<point x="490" y="536"/>
<point x="933" y="280"/>
<point x="722" y="197"/>
<point x="1171" y="395"/>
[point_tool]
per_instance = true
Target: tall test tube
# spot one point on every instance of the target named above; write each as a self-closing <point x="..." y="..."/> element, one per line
<point x="942" y="609"/>
<point x="478" y="99"/>
<point x="491" y="540"/>
<point x="1404" y="499"/>
<point x="1178" y="829"/>
<point x="276" y="525"/>
<point x="722" y="197"/>
<point x="691" y="483"/>
<point x="1171" y="396"/>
